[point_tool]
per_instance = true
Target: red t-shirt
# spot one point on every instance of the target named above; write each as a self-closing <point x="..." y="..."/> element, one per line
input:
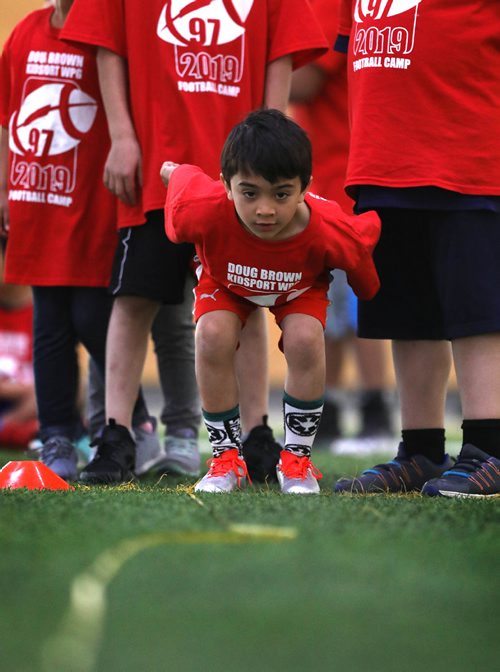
<point x="268" y="273"/>
<point x="325" y="116"/>
<point x="424" y="80"/>
<point x="195" y="70"/>
<point x="16" y="335"/>
<point x="62" y="219"/>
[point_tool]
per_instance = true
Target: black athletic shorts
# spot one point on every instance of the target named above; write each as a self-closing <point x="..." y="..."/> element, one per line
<point x="147" y="264"/>
<point x="439" y="273"/>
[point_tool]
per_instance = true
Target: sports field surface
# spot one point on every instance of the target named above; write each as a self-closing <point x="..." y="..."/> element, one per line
<point x="150" y="577"/>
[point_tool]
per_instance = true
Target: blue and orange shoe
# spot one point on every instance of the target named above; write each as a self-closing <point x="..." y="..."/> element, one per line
<point x="475" y="474"/>
<point x="402" y="474"/>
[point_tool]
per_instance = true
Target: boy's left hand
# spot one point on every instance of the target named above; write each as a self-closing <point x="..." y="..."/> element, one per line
<point x="166" y="171"/>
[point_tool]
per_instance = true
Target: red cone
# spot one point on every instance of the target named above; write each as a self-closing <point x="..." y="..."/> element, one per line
<point x="32" y="475"/>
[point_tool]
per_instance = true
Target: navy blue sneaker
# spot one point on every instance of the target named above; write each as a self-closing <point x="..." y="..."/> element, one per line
<point x="402" y="474"/>
<point x="475" y="474"/>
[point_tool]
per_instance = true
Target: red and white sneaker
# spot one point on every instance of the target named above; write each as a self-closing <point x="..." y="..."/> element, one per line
<point x="226" y="473"/>
<point x="297" y="475"/>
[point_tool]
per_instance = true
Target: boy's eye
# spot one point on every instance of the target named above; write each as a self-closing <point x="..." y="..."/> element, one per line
<point x="282" y="195"/>
<point x="249" y="194"/>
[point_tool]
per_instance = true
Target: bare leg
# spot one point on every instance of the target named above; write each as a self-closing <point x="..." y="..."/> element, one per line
<point x="304" y="348"/>
<point x="217" y="336"/>
<point x="126" y="347"/>
<point x="252" y="365"/>
<point x="477" y="363"/>
<point x="422" y="370"/>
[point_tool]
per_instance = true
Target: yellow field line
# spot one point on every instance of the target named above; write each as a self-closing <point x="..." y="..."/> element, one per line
<point x="74" y="646"/>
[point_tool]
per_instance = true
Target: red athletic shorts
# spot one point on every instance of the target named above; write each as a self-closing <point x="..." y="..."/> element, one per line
<point x="211" y="295"/>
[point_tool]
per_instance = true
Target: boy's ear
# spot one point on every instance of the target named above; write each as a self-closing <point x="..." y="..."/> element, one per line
<point x="227" y="187"/>
<point x="302" y="195"/>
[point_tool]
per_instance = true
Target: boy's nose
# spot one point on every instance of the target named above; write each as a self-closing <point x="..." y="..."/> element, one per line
<point x="265" y="208"/>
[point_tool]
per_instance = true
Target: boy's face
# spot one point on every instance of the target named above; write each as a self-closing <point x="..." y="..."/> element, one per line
<point x="270" y="211"/>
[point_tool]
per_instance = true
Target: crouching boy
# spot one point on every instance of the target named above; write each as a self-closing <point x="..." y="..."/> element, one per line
<point x="263" y="240"/>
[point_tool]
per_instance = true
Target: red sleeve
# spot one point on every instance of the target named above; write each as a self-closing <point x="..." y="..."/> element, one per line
<point x="327" y="12"/>
<point x="350" y="247"/>
<point x="345" y="18"/>
<point x="98" y="23"/>
<point x="189" y="192"/>
<point x="295" y="30"/>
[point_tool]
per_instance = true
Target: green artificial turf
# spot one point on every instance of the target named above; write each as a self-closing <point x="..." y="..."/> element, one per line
<point x="368" y="584"/>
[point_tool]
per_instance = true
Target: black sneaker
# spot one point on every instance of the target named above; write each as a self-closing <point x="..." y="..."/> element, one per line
<point x="261" y="453"/>
<point x="475" y="474"/>
<point x="402" y="474"/>
<point x="114" y="460"/>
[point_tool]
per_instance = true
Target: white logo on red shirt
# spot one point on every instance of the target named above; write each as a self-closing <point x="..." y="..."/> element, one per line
<point x="206" y="22"/>
<point x="199" y="31"/>
<point x="52" y="119"/>
<point x="384" y="33"/>
<point x="379" y="9"/>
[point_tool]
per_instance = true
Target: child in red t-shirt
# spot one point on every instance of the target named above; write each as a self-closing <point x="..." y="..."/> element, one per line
<point x="263" y="241"/>
<point x="59" y="218"/>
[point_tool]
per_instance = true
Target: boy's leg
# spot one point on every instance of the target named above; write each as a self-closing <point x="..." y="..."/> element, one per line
<point x="173" y="336"/>
<point x="148" y="449"/>
<point x="217" y="337"/>
<point x="477" y="470"/>
<point x="126" y="346"/>
<point x="303" y="346"/>
<point x="148" y="270"/>
<point x="56" y="378"/>
<point x="252" y="365"/>
<point x="127" y="342"/>
<point x="409" y="310"/>
<point x="260" y="449"/>
<point x="422" y="370"/>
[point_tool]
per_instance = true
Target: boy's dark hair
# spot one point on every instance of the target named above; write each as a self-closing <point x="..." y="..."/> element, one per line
<point x="270" y="144"/>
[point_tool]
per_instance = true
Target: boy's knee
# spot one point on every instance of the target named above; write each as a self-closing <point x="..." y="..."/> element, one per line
<point x="215" y="337"/>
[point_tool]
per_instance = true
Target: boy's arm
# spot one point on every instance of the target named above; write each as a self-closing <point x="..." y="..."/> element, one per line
<point x="278" y="83"/>
<point x="166" y="171"/>
<point x="307" y="83"/>
<point x="349" y="245"/>
<point x="4" y="162"/>
<point x="123" y="169"/>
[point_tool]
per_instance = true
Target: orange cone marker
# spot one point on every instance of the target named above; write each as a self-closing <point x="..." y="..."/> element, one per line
<point x="32" y="475"/>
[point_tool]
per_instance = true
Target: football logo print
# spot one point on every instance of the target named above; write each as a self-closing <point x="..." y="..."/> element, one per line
<point x="381" y="9"/>
<point x="303" y="424"/>
<point x="216" y="435"/>
<point x="53" y="119"/>
<point x="203" y="22"/>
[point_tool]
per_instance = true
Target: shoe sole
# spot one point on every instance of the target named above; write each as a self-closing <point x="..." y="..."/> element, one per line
<point x="465" y="495"/>
<point x="147" y="466"/>
<point x="295" y="489"/>
<point x="166" y="467"/>
<point x="95" y="479"/>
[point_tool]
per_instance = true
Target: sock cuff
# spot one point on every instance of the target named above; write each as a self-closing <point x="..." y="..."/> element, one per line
<point x="303" y="405"/>
<point x="481" y="422"/>
<point x="222" y="417"/>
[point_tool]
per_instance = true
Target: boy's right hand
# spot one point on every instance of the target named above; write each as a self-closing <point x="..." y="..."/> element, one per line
<point x="166" y="171"/>
<point x="123" y="170"/>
